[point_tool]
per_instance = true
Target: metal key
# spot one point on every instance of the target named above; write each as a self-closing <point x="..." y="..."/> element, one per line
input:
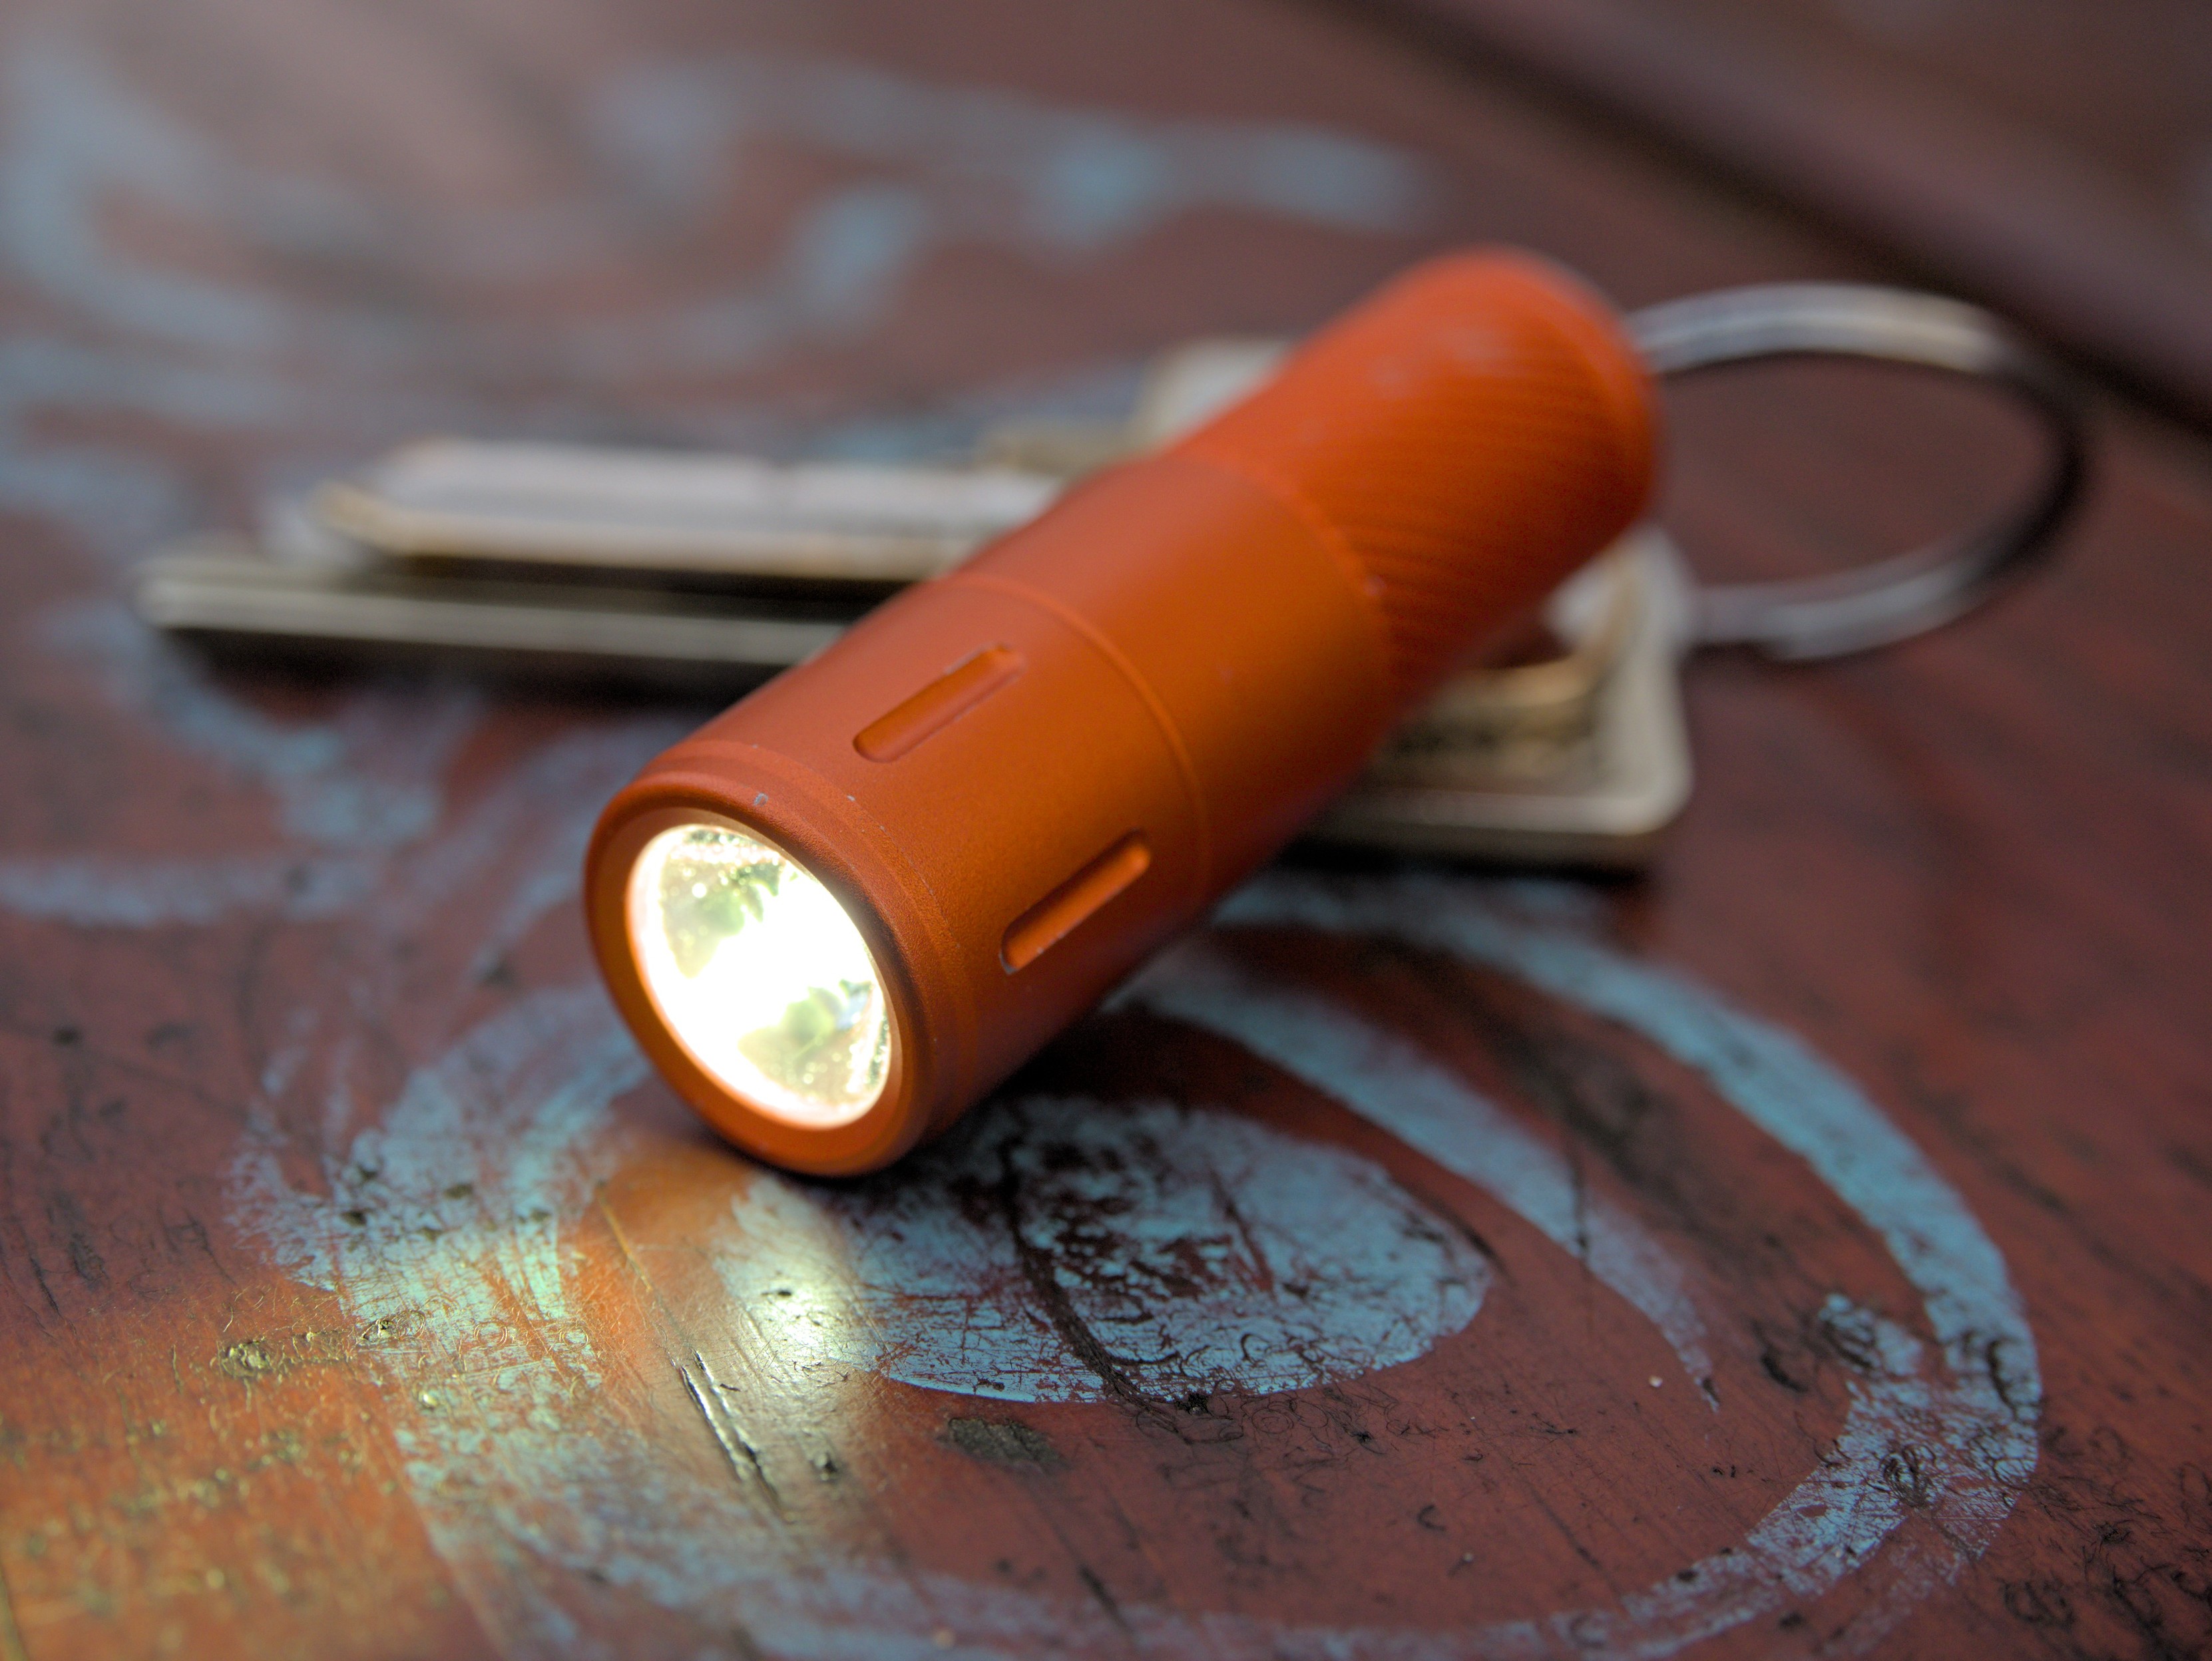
<point x="709" y="572"/>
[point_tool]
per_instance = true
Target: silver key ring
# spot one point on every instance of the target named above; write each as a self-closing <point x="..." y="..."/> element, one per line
<point x="1907" y="594"/>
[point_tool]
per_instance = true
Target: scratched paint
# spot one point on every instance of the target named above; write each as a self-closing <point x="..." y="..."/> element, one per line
<point x="1768" y="1076"/>
<point x="428" y="1223"/>
<point x="1966" y="1417"/>
<point x="1079" y="177"/>
<point x="492" y="1138"/>
<point x="968" y="165"/>
<point x="1060" y="1249"/>
<point x="972" y="165"/>
<point x="954" y="165"/>
<point x="368" y="786"/>
<point x="523" y="1105"/>
<point x="439" y="1224"/>
<point x="1391" y="1082"/>
<point x="364" y="779"/>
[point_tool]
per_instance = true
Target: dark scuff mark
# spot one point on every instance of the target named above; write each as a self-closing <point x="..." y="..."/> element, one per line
<point x="2038" y="1604"/>
<point x="69" y="1222"/>
<point x="2002" y="1381"/>
<point x="1263" y="1271"/>
<point x="1003" y="1442"/>
<point x="1098" y="1588"/>
<point x="1770" y="1361"/>
<point x="2196" y="1166"/>
<point x="190" y="1236"/>
<point x="1058" y="1308"/>
<point x="1585" y="1088"/>
<point x="91" y="1268"/>
<point x="1907" y="1473"/>
<point x="39" y="1274"/>
<point x="1468" y="1232"/>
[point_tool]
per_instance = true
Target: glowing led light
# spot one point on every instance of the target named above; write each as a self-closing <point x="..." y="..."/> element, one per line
<point x="760" y="974"/>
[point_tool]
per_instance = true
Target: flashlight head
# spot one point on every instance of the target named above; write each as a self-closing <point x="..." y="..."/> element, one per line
<point x="762" y="948"/>
<point x="759" y="974"/>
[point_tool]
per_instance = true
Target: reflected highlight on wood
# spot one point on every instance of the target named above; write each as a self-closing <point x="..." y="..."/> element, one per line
<point x="362" y="1294"/>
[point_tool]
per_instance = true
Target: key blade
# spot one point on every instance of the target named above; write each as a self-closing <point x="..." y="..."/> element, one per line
<point x="664" y="514"/>
<point x="232" y="594"/>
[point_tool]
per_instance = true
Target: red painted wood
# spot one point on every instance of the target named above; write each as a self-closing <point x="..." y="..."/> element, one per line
<point x="2052" y="162"/>
<point x="359" y="1294"/>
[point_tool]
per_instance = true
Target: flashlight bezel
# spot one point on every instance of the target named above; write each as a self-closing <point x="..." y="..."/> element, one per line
<point x="706" y="1029"/>
<point x="914" y="1077"/>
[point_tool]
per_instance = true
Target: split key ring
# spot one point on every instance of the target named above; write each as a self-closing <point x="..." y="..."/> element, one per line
<point x="1906" y="594"/>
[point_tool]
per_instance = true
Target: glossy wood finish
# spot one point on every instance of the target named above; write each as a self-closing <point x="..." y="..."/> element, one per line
<point x="2045" y="159"/>
<point x="1799" y="1250"/>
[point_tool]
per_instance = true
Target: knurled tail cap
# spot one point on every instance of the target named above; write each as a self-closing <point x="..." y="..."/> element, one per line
<point x="1466" y="439"/>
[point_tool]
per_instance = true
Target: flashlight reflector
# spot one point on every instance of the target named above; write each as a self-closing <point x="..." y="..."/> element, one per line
<point x="759" y="974"/>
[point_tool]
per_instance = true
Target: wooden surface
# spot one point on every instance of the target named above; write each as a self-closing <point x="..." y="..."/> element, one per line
<point x="2047" y="158"/>
<point x="1798" y="1251"/>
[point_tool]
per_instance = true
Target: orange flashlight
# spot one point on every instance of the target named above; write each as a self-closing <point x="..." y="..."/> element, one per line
<point x="846" y="908"/>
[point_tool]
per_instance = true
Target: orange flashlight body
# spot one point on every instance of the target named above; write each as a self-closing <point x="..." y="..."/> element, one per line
<point x="1022" y="778"/>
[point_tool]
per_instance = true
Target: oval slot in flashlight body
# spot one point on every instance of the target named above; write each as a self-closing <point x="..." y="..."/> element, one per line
<point x="938" y="705"/>
<point x="1055" y="917"/>
<point x="1210" y="642"/>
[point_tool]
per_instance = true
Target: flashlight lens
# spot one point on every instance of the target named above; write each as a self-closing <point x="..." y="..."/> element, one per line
<point x="760" y="975"/>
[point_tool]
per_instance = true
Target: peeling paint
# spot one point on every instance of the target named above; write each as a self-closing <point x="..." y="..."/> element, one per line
<point x="1978" y="1443"/>
<point x="1391" y="1082"/>
<point x="439" y="1225"/>
<point x="98" y="891"/>
<point x="495" y="1472"/>
<point x="949" y="164"/>
<point x="366" y="778"/>
<point x="1059" y="1249"/>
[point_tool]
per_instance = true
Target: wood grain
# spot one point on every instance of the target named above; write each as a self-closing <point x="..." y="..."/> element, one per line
<point x="1796" y="1251"/>
<point x="2048" y="160"/>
